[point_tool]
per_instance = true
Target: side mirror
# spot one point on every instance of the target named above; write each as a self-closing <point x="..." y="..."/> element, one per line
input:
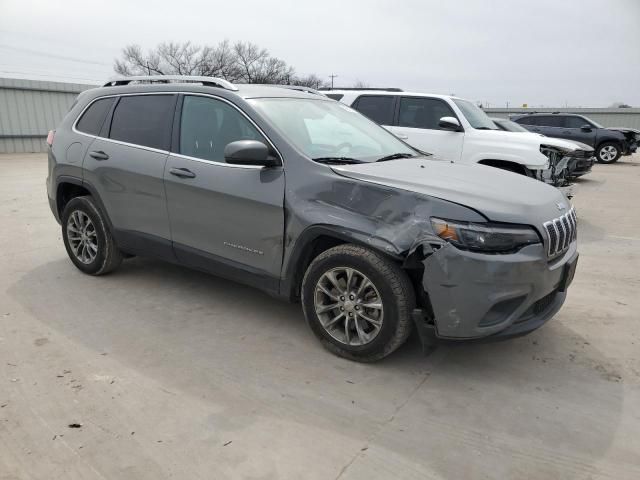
<point x="450" y="123"/>
<point x="585" y="128"/>
<point x="249" y="152"/>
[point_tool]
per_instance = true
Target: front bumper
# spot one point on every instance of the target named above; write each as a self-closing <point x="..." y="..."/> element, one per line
<point x="580" y="166"/>
<point x="480" y="296"/>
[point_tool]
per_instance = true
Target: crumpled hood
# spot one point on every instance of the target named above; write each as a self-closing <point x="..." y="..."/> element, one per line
<point x="499" y="195"/>
<point x="529" y="137"/>
<point x="625" y="130"/>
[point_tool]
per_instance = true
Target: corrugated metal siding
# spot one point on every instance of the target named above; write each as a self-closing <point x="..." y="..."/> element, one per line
<point x="607" y="117"/>
<point x="29" y="109"/>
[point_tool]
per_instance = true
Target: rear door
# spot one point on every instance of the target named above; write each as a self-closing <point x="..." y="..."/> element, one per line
<point x="125" y="164"/>
<point x="418" y="125"/>
<point x="379" y="108"/>
<point x="223" y="217"/>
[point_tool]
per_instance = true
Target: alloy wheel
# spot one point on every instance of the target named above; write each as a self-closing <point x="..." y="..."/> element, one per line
<point x="82" y="236"/>
<point x="348" y="306"/>
<point x="608" y="153"/>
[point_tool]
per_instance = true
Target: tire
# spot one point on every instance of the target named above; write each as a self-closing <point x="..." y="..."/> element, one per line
<point x="391" y="295"/>
<point x="608" y="152"/>
<point x="94" y="252"/>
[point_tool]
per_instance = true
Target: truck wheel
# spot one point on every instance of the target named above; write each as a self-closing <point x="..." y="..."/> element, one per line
<point x="608" y="152"/>
<point x="87" y="238"/>
<point x="357" y="302"/>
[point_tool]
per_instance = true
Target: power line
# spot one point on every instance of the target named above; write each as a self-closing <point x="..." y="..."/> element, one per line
<point x="53" y="55"/>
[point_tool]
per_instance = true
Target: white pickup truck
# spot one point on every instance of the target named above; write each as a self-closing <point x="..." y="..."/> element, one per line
<point x="457" y="130"/>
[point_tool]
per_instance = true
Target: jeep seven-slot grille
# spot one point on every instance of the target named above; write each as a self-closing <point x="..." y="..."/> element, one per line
<point x="561" y="231"/>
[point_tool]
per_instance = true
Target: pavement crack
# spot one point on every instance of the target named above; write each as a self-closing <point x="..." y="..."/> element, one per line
<point x="363" y="448"/>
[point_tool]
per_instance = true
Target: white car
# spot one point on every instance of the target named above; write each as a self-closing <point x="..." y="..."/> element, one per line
<point x="456" y="129"/>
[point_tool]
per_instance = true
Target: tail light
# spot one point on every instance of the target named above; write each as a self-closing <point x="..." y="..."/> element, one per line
<point x="50" y="136"/>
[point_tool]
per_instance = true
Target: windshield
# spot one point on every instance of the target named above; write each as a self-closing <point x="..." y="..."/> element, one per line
<point x="328" y="129"/>
<point x="509" y="126"/>
<point x="474" y="115"/>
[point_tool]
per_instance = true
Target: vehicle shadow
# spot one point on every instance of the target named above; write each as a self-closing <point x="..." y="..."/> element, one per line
<point x="204" y="336"/>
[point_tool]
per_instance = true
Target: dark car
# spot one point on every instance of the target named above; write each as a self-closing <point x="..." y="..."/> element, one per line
<point x="579" y="163"/>
<point x="609" y="143"/>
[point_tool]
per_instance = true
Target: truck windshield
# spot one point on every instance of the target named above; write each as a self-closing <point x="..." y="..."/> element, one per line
<point x="475" y="115"/>
<point x="326" y="130"/>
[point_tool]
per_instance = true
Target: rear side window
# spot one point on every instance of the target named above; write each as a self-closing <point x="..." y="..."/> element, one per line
<point x="378" y="108"/>
<point x="549" y="121"/>
<point x="335" y="96"/>
<point x="93" y="117"/>
<point x="144" y="120"/>
<point x="208" y="126"/>
<point x="416" y="112"/>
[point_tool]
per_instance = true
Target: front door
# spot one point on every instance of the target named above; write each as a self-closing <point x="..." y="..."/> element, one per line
<point x="223" y="217"/>
<point x="418" y="125"/>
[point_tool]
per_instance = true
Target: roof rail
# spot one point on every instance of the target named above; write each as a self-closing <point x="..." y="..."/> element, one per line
<point x="300" y="88"/>
<point x="390" y="89"/>
<point x="206" y="81"/>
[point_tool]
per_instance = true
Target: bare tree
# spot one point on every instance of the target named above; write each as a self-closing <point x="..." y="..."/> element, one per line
<point x="360" y="84"/>
<point x="242" y="62"/>
<point x="312" y="80"/>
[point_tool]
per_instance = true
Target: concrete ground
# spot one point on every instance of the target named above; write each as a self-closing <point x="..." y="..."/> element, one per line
<point x="170" y="373"/>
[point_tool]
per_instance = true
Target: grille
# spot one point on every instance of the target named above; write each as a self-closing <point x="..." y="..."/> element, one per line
<point x="561" y="231"/>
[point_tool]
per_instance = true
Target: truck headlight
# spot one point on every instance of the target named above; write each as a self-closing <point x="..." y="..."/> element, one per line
<point x="485" y="237"/>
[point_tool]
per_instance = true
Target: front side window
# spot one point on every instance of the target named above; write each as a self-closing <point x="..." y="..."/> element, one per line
<point x="208" y="125"/>
<point x="476" y="117"/>
<point x="575" y="122"/>
<point x="324" y="128"/>
<point x="417" y="112"/>
<point x="93" y="117"/>
<point x="377" y="107"/>
<point x="144" y="120"/>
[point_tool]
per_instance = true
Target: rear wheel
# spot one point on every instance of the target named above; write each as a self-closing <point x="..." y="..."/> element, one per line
<point x="87" y="238"/>
<point x="608" y="152"/>
<point x="357" y="302"/>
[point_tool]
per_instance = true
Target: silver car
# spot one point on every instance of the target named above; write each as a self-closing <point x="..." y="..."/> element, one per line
<point x="303" y="197"/>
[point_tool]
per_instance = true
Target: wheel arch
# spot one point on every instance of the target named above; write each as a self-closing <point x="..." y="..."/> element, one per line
<point x="316" y="239"/>
<point x="68" y="188"/>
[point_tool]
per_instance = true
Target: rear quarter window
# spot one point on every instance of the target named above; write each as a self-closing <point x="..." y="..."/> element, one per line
<point x="335" y="96"/>
<point x="93" y="117"/>
<point x="144" y="120"/>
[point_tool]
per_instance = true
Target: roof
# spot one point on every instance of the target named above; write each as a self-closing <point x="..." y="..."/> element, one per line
<point x="386" y="93"/>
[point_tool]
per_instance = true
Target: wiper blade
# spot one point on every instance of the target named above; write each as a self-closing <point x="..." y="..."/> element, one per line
<point x="395" y="156"/>
<point x="486" y="128"/>
<point x="337" y="160"/>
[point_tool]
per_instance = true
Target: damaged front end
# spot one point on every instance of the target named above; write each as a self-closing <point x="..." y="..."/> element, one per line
<point x="472" y="295"/>
<point x="557" y="173"/>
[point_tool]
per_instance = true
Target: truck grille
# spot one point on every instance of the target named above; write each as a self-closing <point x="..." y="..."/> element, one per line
<point x="561" y="231"/>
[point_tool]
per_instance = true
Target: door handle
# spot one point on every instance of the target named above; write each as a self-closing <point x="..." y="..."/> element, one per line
<point x="182" y="172"/>
<point x="99" y="155"/>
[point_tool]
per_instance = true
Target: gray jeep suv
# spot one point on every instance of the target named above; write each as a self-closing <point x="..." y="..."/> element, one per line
<point x="303" y="197"/>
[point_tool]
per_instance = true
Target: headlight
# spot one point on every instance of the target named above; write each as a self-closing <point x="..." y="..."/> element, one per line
<point x="485" y="237"/>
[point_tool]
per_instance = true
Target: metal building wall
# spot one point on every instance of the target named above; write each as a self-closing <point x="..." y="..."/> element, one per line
<point x="29" y="109"/>
<point x="607" y="117"/>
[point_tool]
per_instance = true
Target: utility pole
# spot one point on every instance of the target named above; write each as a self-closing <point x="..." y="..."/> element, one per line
<point x="332" y="77"/>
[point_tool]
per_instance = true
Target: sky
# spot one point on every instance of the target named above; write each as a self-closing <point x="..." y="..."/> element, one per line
<point x="538" y="52"/>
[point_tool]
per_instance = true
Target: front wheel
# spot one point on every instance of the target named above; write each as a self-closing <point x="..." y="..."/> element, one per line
<point x="608" y="152"/>
<point x="357" y="302"/>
